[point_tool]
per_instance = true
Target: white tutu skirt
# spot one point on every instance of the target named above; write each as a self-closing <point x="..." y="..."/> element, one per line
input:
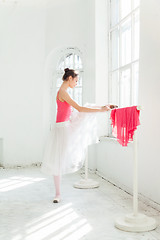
<point x="67" y="143"/>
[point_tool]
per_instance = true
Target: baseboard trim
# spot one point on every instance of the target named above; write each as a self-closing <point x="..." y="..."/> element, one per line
<point x="141" y="197"/>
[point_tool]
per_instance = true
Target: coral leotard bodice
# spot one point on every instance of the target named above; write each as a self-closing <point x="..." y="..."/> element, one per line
<point x="63" y="110"/>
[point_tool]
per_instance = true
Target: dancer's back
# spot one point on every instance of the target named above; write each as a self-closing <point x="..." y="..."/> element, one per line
<point x="63" y="110"/>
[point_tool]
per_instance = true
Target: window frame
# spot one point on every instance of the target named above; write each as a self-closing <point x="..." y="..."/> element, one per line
<point x="59" y="73"/>
<point x="120" y="68"/>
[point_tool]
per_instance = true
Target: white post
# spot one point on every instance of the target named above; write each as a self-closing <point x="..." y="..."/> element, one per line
<point x="135" y="222"/>
<point x="86" y="165"/>
<point x="86" y="182"/>
<point x="135" y="177"/>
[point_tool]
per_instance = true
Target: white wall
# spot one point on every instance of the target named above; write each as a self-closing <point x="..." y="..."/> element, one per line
<point x="149" y="98"/>
<point x="30" y="33"/>
<point x="71" y="23"/>
<point x="114" y="161"/>
<point x="22" y="47"/>
<point x="81" y="24"/>
<point x="101" y="55"/>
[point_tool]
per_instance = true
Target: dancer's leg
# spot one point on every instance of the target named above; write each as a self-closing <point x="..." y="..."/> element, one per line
<point x="57" y="180"/>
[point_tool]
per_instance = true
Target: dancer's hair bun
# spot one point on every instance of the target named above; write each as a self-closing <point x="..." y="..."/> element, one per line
<point x="68" y="73"/>
<point x="66" y="69"/>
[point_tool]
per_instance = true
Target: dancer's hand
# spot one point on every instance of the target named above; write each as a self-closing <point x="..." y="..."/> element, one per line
<point x="111" y="106"/>
<point x="105" y="108"/>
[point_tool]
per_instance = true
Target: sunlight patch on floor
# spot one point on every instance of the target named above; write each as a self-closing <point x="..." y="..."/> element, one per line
<point x="12" y="183"/>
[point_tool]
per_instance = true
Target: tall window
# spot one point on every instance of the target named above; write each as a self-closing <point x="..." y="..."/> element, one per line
<point x="123" y="52"/>
<point x="71" y="59"/>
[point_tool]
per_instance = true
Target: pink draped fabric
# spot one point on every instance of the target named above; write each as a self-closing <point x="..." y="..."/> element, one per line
<point x="124" y="122"/>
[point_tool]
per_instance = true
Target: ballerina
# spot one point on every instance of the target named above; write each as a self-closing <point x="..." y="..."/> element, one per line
<point x="66" y="144"/>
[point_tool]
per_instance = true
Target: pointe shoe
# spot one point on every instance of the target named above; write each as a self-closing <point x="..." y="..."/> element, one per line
<point x="56" y="199"/>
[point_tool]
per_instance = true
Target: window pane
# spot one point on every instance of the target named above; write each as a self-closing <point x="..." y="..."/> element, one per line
<point x="136" y="35"/>
<point x="135" y="71"/>
<point x="61" y="65"/>
<point x="69" y="61"/>
<point x="79" y="83"/>
<point x="125" y="8"/>
<point x="78" y="62"/>
<point x="114" y="12"/>
<point x="126" y="42"/>
<point x="136" y="3"/>
<point x="78" y="95"/>
<point x="125" y="88"/>
<point x="70" y="92"/>
<point x="115" y="49"/>
<point x="114" y="89"/>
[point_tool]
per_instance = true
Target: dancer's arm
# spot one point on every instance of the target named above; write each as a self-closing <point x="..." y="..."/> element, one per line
<point x="69" y="100"/>
<point x="111" y="106"/>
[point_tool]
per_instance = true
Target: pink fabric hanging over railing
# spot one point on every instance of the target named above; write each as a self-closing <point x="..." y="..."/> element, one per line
<point x="124" y="122"/>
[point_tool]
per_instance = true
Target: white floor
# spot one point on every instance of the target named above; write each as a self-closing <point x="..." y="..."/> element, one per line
<point x="27" y="211"/>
